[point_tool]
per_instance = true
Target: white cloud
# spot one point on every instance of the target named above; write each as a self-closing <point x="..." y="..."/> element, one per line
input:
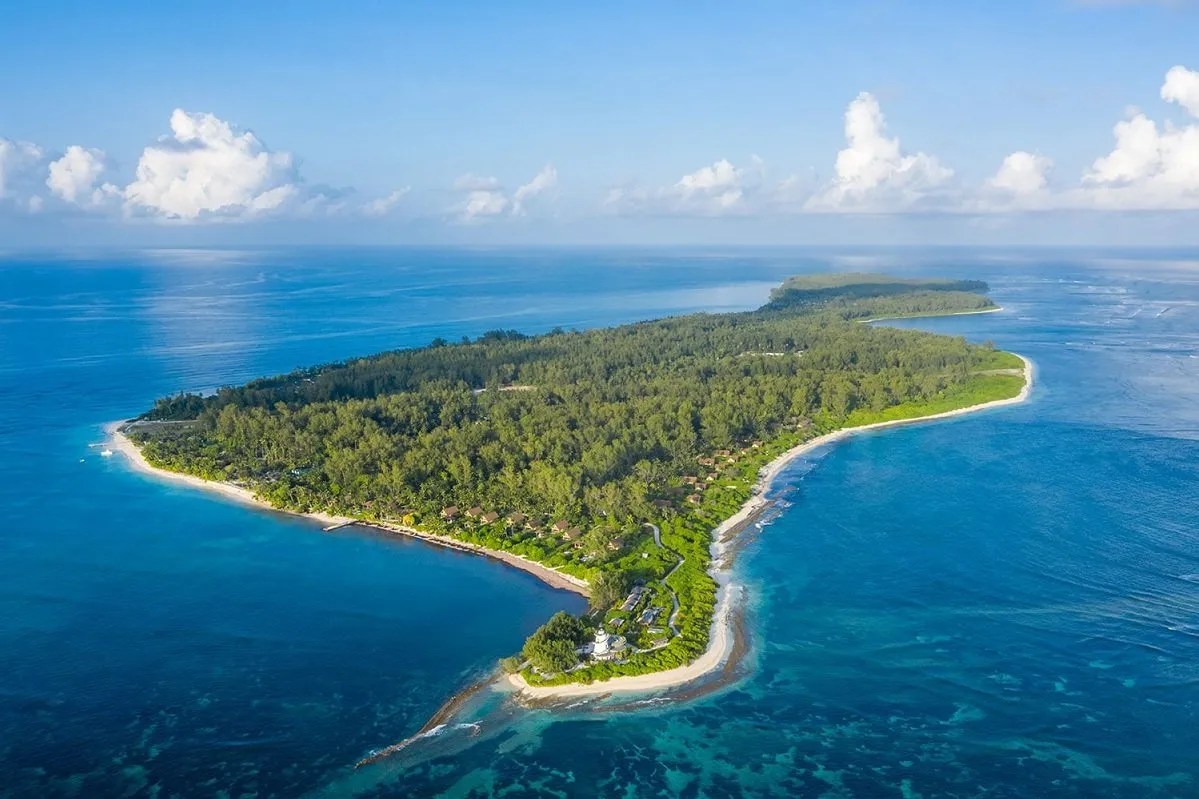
<point x="19" y="161"/>
<point x="1150" y="167"/>
<point x="873" y="174"/>
<point x="486" y="197"/>
<point x="73" y="177"/>
<point x="205" y="169"/>
<point x="542" y="182"/>
<point x="385" y="205"/>
<point x="720" y="188"/>
<point x="1022" y="173"/>
<point x="1182" y="87"/>
<point x="481" y="204"/>
<point x="1020" y="184"/>
<point x="718" y="185"/>
<point x="1136" y="155"/>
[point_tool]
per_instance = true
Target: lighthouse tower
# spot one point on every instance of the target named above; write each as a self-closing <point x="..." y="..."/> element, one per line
<point x="601" y="648"/>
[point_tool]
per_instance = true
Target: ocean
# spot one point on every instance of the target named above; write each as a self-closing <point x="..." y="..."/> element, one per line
<point x="1001" y="605"/>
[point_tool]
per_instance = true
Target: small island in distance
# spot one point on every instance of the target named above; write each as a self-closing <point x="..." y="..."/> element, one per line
<point x="613" y="462"/>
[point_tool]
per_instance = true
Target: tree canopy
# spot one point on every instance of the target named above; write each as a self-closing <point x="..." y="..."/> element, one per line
<point x="560" y="447"/>
<point x="552" y="648"/>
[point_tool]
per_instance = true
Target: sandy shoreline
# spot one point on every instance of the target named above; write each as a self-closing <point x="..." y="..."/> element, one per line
<point x="124" y="445"/>
<point x="996" y="309"/>
<point x="721" y="639"/>
<point x="773" y="468"/>
<point x="547" y="574"/>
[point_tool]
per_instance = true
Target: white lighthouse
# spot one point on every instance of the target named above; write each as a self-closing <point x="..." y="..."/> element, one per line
<point x="606" y="646"/>
<point x="600" y="649"/>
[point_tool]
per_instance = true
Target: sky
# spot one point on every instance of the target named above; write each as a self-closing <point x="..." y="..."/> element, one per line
<point x="846" y="122"/>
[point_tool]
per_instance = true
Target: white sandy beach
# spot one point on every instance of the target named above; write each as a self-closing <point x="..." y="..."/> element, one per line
<point x="122" y="444"/>
<point x="546" y="574"/>
<point x="996" y="309"/>
<point x="722" y="636"/>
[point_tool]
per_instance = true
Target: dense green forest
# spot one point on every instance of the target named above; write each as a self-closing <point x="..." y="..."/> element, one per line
<point x="566" y="447"/>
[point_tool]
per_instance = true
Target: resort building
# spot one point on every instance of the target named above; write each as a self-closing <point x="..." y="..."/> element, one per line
<point x="490" y="517"/>
<point x="633" y="598"/>
<point x="474" y="512"/>
<point x="450" y="513"/>
<point x="650" y="616"/>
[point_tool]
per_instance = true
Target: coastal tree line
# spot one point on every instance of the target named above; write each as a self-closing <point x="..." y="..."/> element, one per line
<point x="601" y="429"/>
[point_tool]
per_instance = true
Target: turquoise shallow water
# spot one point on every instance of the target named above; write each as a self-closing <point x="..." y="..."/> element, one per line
<point x="1001" y="605"/>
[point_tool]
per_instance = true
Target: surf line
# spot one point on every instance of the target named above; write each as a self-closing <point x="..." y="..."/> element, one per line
<point x="434" y="725"/>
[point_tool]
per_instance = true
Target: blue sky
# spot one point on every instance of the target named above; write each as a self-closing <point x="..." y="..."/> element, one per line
<point x="956" y="122"/>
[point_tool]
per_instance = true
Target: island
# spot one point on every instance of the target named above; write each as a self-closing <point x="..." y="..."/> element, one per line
<point x="619" y="463"/>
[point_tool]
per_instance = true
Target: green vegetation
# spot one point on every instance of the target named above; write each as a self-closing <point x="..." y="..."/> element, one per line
<point x="562" y="447"/>
<point x="608" y="588"/>
<point x="552" y="648"/>
<point x="890" y="296"/>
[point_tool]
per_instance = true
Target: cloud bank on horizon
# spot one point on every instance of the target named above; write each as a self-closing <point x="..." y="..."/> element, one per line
<point x="208" y="170"/>
<point x="1151" y="167"/>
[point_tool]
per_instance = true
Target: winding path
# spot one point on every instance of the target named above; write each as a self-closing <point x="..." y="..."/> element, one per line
<point x="674" y="598"/>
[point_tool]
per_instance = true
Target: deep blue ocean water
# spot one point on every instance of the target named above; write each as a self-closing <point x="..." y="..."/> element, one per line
<point x="1003" y="605"/>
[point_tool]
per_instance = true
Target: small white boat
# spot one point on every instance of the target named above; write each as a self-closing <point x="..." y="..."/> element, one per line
<point x="106" y="452"/>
